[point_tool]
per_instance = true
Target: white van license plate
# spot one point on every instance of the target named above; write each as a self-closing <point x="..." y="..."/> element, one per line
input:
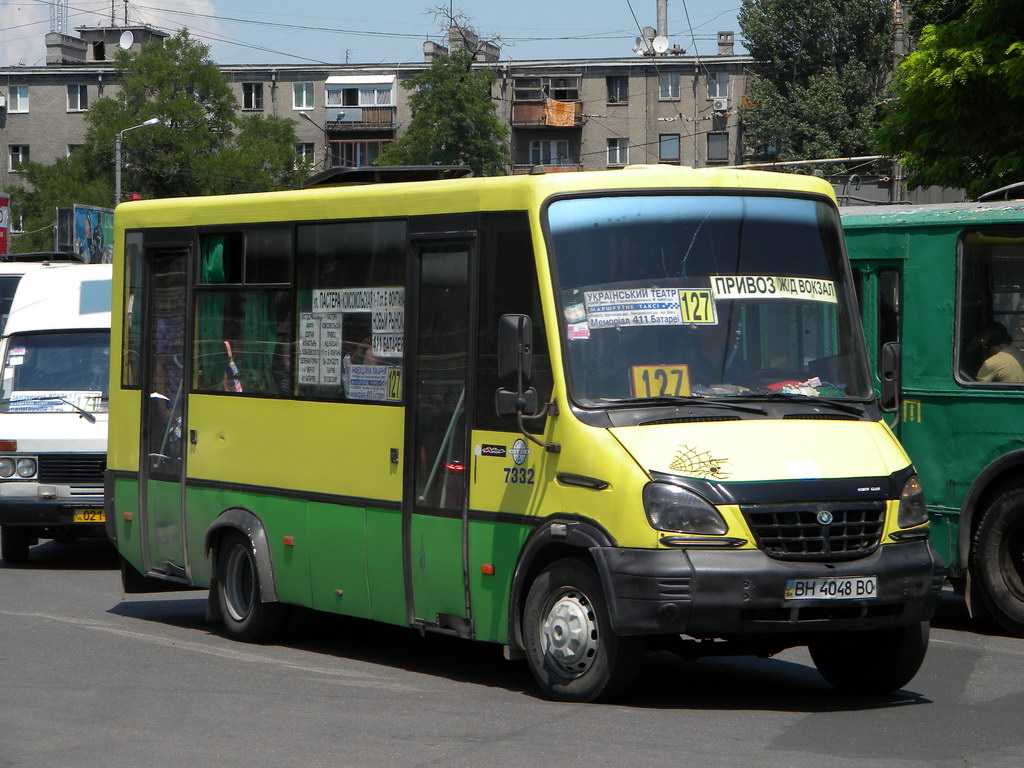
<point x="833" y="588"/>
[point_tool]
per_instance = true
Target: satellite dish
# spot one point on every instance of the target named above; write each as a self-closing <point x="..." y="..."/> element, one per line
<point x="126" y="40"/>
<point x="660" y="44"/>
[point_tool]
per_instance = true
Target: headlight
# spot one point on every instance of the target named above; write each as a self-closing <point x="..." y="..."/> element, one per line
<point x="26" y="467"/>
<point x="6" y="467"/>
<point x="912" y="507"/>
<point x="671" y="508"/>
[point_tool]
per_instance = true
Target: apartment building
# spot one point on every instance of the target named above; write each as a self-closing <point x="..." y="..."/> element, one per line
<point x="658" y="105"/>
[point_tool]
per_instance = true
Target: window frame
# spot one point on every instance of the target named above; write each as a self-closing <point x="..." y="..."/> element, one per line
<point x="304" y="149"/>
<point x="661" y="148"/>
<point x="555" y="158"/>
<point x="252" y="96"/>
<point x="718" y="138"/>
<point x="617" y="150"/>
<point x="722" y="82"/>
<point x="24" y="157"/>
<point x="82" y="92"/>
<point x="17" y="99"/>
<point x="669" y="86"/>
<point x="307" y="89"/>
<point x="617" y="87"/>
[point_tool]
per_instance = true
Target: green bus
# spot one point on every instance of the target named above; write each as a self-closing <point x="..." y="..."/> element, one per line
<point x="942" y="296"/>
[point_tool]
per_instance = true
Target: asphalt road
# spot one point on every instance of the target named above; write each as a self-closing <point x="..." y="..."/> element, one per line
<point x="92" y="677"/>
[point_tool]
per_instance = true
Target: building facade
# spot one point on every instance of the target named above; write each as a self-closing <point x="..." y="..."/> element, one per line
<point x="579" y="114"/>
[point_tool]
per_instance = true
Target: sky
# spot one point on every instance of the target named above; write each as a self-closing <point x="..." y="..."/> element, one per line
<point x="390" y="31"/>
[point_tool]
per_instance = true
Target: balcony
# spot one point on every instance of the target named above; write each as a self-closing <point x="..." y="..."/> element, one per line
<point x="547" y="114"/>
<point x="359" y="118"/>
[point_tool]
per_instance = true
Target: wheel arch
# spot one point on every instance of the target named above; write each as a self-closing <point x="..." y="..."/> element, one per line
<point x="999" y="473"/>
<point x="558" y="537"/>
<point x="248" y="523"/>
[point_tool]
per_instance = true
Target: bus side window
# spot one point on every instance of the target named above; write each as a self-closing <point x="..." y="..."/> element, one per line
<point x="991" y="308"/>
<point x="508" y="285"/>
<point x="888" y="308"/>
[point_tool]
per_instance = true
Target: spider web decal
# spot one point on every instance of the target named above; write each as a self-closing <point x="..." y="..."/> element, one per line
<point x="690" y="461"/>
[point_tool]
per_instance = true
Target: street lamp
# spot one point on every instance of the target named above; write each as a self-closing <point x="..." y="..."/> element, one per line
<point x="117" y="155"/>
<point x="305" y="116"/>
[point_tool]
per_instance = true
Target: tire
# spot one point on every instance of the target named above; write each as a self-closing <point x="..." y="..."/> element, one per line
<point x="879" y="661"/>
<point x="571" y="649"/>
<point x="244" y="616"/>
<point x="997" y="559"/>
<point x="14" y="543"/>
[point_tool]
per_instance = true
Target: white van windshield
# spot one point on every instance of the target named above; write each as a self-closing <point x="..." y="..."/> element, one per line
<point x="704" y="295"/>
<point x="56" y="372"/>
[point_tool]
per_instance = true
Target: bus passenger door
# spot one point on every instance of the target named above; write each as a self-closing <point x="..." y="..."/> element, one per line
<point x="434" y="514"/>
<point x="164" y="385"/>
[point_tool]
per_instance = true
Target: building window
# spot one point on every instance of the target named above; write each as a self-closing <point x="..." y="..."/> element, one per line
<point x="990" y="327"/>
<point x="541" y="88"/>
<point x="356" y="153"/>
<point x="361" y="96"/>
<point x="718" y="147"/>
<point x="718" y="85"/>
<point x="252" y="95"/>
<point x="305" y="155"/>
<point x="668" y="86"/>
<point x="618" y="89"/>
<point x="18" y="156"/>
<point x="668" y="148"/>
<point x="618" y="151"/>
<point x="549" y="152"/>
<point x="18" y="99"/>
<point x="78" y="98"/>
<point x="302" y="96"/>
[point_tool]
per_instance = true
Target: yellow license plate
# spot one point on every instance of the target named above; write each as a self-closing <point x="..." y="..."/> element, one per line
<point x="89" y="516"/>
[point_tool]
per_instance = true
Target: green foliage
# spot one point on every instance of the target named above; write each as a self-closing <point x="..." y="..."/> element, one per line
<point x="454" y="121"/>
<point x="201" y="147"/>
<point x="956" y="119"/>
<point x="820" y="69"/>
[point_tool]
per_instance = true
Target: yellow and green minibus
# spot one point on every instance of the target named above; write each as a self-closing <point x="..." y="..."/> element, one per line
<point x="576" y="415"/>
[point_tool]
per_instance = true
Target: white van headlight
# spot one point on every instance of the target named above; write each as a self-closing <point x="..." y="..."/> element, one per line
<point x="6" y="467"/>
<point x="913" y="510"/>
<point x="671" y="508"/>
<point x="26" y="468"/>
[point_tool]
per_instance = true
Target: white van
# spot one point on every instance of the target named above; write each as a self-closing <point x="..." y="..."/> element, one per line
<point x="14" y="266"/>
<point x="53" y="406"/>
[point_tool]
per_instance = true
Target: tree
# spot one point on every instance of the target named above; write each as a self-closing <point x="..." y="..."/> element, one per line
<point x="201" y="147"/>
<point x="454" y="120"/>
<point x="955" y="116"/>
<point x="820" y="70"/>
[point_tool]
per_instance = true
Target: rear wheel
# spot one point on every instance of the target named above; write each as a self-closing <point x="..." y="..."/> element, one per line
<point x="878" y="661"/>
<point x="244" y="615"/>
<point x="14" y="543"/>
<point x="997" y="559"/>
<point x="572" y="651"/>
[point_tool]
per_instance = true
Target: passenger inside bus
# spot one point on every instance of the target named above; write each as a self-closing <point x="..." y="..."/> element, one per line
<point x="1002" y="362"/>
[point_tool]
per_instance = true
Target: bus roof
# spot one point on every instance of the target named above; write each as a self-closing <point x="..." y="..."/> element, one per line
<point x="932" y="215"/>
<point x="496" y="193"/>
<point x="62" y="297"/>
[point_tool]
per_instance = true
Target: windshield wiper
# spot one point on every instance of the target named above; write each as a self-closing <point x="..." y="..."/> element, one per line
<point x="698" y="400"/>
<point x="43" y="398"/>
<point x="839" y="405"/>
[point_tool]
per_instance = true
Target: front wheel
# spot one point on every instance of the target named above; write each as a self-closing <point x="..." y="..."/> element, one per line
<point x="877" y="661"/>
<point x="14" y="543"/>
<point x="997" y="559"/>
<point x="244" y="615"/>
<point x="572" y="651"/>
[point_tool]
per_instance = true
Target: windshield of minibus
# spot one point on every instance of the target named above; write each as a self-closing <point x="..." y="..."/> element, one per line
<point x="56" y="372"/>
<point x="675" y="295"/>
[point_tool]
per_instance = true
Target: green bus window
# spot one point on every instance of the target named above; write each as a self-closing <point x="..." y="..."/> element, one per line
<point x="991" y="308"/>
<point x="350" y="309"/>
<point x="888" y="308"/>
<point x="244" y="325"/>
<point x="508" y="285"/>
<point x="131" y="315"/>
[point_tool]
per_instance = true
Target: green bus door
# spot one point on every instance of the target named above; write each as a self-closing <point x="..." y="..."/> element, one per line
<point x="164" y="384"/>
<point x="434" y="526"/>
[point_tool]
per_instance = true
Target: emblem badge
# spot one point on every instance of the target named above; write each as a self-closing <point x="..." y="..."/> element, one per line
<point x="825" y="517"/>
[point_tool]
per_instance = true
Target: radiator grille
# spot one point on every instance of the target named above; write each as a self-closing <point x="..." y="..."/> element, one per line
<point x="71" y="467"/>
<point x="798" y="532"/>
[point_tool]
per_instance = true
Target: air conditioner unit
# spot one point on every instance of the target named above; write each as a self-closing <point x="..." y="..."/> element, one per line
<point x="720" y="104"/>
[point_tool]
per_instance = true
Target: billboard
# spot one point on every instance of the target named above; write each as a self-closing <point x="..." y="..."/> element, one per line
<point x="5" y="223"/>
<point x="88" y="232"/>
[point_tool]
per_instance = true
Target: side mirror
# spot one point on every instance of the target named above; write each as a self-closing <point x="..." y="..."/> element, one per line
<point x="515" y="350"/>
<point x="889" y="373"/>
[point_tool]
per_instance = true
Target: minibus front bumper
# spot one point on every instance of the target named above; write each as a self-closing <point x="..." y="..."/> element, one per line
<point x="715" y="593"/>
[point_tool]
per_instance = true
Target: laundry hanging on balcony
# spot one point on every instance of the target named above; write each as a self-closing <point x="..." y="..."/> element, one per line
<point x="560" y="113"/>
